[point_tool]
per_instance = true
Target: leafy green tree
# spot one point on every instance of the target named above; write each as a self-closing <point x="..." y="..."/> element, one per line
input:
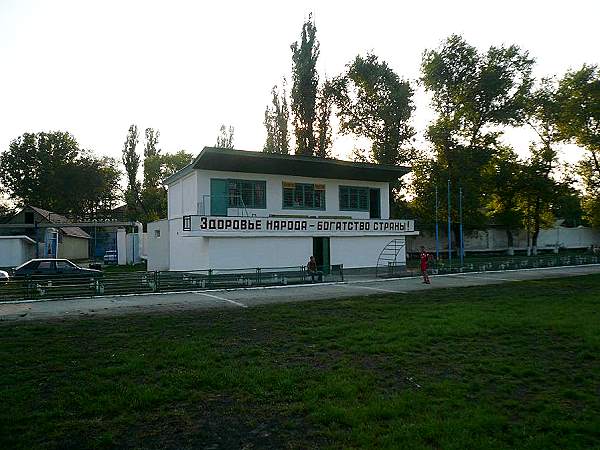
<point x="507" y="184"/>
<point x="225" y="137"/>
<point x="323" y="122"/>
<point x="6" y="211"/>
<point x="540" y="189"/>
<point x="373" y="102"/>
<point x="567" y="204"/>
<point x="152" y="159"/>
<point x="304" y="88"/>
<point x="174" y="162"/>
<point x="579" y="121"/>
<point x="154" y="197"/>
<point x="50" y="170"/>
<point x="131" y="160"/>
<point x="277" y="117"/>
<point x="537" y="193"/>
<point x="590" y="177"/>
<point x="151" y="144"/>
<point x="475" y="95"/>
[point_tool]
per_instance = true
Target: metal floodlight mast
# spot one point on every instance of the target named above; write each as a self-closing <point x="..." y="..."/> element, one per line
<point x="449" y="228"/>
<point x="462" y="243"/>
<point x="437" y="234"/>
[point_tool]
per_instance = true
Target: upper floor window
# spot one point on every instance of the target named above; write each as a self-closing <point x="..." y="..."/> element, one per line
<point x="247" y="193"/>
<point x="354" y="198"/>
<point x="303" y="196"/>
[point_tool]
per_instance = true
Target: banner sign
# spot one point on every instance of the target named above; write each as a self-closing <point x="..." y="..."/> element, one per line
<point x="207" y="225"/>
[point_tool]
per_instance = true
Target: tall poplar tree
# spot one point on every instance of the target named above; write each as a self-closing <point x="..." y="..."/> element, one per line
<point x="276" y="121"/>
<point x="304" y="88"/>
<point x="152" y="158"/>
<point x="131" y="161"/>
<point x="323" y="123"/>
<point x="225" y="137"/>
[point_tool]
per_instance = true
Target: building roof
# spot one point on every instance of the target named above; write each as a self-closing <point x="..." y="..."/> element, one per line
<point x="229" y="160"/>
<point x="53" y="217"/>
<point x="24" y="238"/>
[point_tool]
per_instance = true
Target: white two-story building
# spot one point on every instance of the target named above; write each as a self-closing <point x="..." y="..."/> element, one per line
<point x="233" y="209"/>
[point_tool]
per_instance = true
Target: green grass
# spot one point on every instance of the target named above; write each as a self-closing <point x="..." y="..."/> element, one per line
<point x="508" y="366"/>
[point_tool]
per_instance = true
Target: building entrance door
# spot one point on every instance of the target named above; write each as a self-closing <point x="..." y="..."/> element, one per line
<point x="374" y="203"/>
<point x="321" y="253"/>
<point x="219" y="199"/>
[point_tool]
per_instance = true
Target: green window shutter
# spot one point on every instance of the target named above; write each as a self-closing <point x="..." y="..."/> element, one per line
<point x="303" y="196"/>
<point x="344" y="198"/>
<point x="363" y="199"/>
<point x="260" y="194"/>
<point x="354" y="198"/>
<point x="247" y="193"/>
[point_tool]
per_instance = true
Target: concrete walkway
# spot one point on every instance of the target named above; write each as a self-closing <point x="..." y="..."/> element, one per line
<point x="244" y="298"/>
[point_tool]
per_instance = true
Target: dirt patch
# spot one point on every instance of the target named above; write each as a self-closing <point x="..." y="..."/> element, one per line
<point x="221" y="423"/>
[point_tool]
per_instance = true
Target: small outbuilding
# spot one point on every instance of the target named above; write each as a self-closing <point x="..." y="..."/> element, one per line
<point x="15" y="250"/>
<point x="62" y="241"/>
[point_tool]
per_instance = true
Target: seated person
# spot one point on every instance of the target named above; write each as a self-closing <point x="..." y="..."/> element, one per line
<point x="312" y="270"/>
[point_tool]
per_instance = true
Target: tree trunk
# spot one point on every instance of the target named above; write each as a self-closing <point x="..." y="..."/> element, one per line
<point x="534" y="239"/>
<point x="536" y="227"/>
<point x="510" y="240"/>
<point x="456" y="237"/>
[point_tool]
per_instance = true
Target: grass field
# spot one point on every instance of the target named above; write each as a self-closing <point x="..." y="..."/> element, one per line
<point x="509" y="366"/>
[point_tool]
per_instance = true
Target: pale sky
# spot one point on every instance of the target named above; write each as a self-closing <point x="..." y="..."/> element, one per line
<point x="184" y="67"/>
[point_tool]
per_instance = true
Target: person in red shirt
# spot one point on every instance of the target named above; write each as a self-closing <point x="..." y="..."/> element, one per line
<point x="425" y="257"/>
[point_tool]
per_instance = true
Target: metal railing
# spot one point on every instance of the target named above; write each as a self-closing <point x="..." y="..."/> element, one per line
<point x="483" y="264"/>
<point x="204" y="206"/>
<point x="109" y="284"/>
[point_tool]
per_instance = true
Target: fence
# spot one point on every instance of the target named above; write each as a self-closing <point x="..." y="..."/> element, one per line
<point x="160" y="281"/>
<point x="52" y="287"/>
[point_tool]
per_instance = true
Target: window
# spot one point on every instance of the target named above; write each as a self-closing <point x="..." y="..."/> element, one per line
<point x="303" y="196"/>
<point x="45" y="265"/>
<point x="354" y="198"/>
<point x="187" y="223"/>
<point x="247" y="194"/>
<point x="65" y="265"/>
<point x="157" y="234"/>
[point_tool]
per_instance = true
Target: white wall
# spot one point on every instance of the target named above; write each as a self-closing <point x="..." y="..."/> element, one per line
<point x="201" y="253"/>
<point x="121" y="247"/>
<point x="183" y="197"/>
<point x="495" y="239"/>
<point x="15" y="250"/>
<point x="355" y="252"/>
<point x="233" y="253"/>
<point x="157" y="247"/>
<point x="186" y="253"/>
<point x="186" y="196"/>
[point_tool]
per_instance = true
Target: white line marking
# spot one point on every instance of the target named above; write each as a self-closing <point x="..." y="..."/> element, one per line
<point x="373" y="288"/>
<point x="463" y="275"/>
<point x="222" y="298"/>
